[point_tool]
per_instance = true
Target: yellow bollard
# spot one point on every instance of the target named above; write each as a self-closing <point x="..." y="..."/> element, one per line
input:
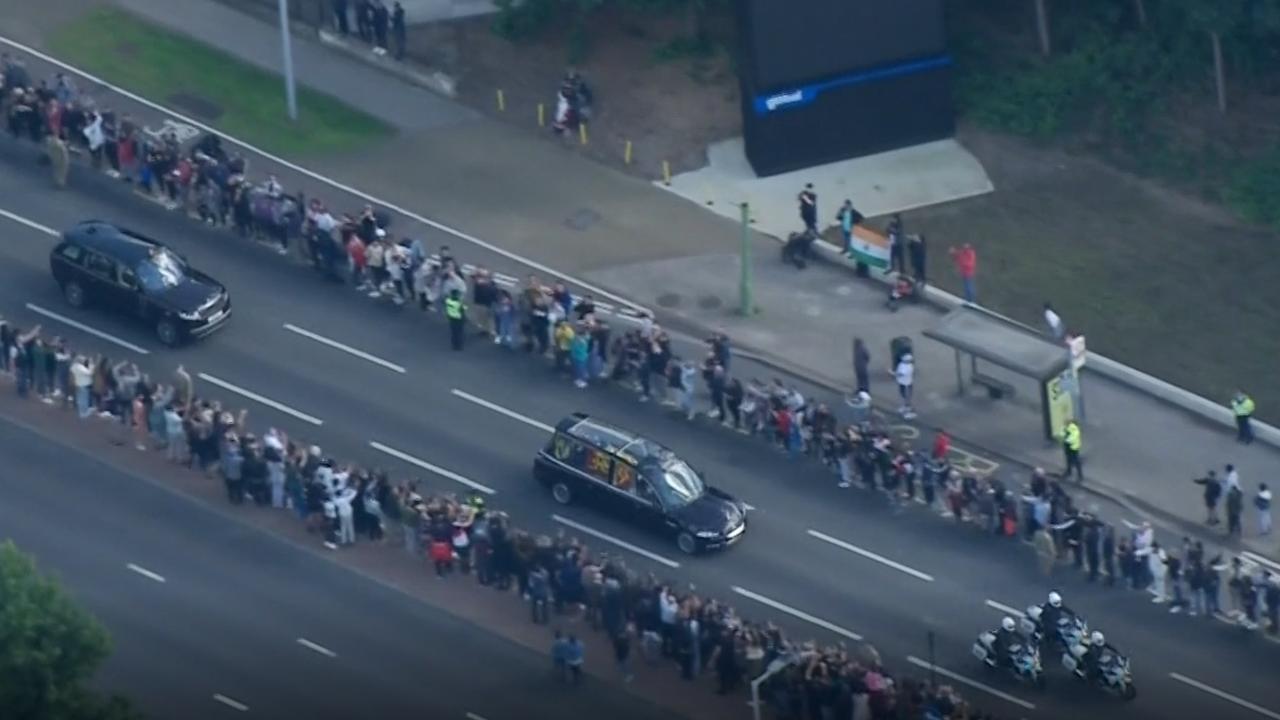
<point x="542" y="115"/>
<point x="582" y="132"/>
<point x="666" y="173"/>
<point x="626" y="154"/>
<point x="502" y="102"/>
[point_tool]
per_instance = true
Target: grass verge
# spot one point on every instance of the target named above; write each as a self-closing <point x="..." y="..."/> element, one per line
<point x="231" y="95"/>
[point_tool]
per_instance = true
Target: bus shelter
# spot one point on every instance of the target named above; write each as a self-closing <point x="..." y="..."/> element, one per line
<point x="980" y="335"/>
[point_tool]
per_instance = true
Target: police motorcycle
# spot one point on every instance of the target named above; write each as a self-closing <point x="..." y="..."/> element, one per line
<point x="1024" y="657"/>
<point x="1069" y="631"/>
<point x="1112" y="673"/>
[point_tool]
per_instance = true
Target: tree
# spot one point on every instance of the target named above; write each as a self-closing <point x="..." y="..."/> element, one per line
<point x="49" y="649"/>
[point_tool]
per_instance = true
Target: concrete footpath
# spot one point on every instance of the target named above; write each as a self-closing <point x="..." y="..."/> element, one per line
<point x="526" y="195"/>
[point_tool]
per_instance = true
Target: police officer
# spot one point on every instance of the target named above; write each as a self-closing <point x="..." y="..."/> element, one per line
<point x="1071" y="448"/>
<point x="1242" y="407"/>
<point x="456" y="311"/>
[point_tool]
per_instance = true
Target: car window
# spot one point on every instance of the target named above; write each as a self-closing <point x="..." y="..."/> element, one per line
<point x="645" y="492"/>
<point x="101" y="265"/>
<point x="163" y="269"/>
<point x="72" y="253"/>
<point x="675" y="482"/>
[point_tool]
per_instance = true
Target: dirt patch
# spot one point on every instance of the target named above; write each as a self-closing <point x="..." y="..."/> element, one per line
<point x="670" y="110"/>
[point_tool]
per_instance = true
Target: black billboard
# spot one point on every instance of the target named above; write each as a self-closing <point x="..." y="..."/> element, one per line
<point x="827" y="80"/>
<point x="796" y="41"/>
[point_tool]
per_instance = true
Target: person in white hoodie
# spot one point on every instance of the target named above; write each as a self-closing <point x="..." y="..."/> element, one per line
<point x="1156" y="563"/>
<point x="905" y="375"/>
<point x="1262" y="501"/>
<point x="82" y="383"/>
<point x="669" y="614"/>
<point x="274" y="455"/>
<point x="344" y="503"/>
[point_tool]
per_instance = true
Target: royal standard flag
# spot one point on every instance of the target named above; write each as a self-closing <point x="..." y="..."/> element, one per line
<point x="870" y="247"/>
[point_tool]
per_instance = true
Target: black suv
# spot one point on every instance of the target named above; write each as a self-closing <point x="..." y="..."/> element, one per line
<point x="98" y="264"/>
<point x="642" y="481"/>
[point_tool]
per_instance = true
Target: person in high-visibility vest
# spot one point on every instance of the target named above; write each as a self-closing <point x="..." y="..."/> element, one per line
<point x="456" y="311"/>
<point x="1071" y="448"/>
<point x="1242" y="407"/>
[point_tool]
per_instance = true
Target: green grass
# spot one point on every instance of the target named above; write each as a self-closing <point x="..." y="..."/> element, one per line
<point x="160" y="65"/>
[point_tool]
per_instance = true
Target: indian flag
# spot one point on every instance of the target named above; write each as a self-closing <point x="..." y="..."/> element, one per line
<point x="870" y="247"/>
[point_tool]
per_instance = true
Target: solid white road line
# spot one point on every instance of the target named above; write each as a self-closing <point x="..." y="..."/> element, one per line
<point x="400" y="455"/>
<point x="233" y="704"/>
<point x="616" y="541"/>
<point x="259" y="398"/>
<point x="1225" y="696"/>
<point x="971" y="683"/>
<point x="800" y="614"/>
<point x="1005" y="608"/>
<point x="318" y="648"/>
<point x="30" y="223"/>
<point x="473" y="716"/>
<point x="344" y="348"/>
<point x="528" y="262"/>
<point x="146" y="573"/>
<point x="85" y="328"/>
<point x="503" y="411"/>
<point x="872" y="556"/>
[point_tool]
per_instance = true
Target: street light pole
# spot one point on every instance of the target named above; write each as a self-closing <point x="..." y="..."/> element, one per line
<point x="290" y="93"/>
<point x="744" y="283"/>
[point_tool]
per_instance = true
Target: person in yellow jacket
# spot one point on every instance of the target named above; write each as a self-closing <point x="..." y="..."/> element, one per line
<point x="1242" y="407"/>
<point x="456" y="312"/>
<point x="563" y="342"/>
<point x="1071" y="442"/>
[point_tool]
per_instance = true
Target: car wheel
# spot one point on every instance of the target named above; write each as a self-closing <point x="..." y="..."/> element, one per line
<point x="167" y="332"/>
<point x="562" y="493"/>
<point x="686" y="543"/>
<point x="74" y="293"/>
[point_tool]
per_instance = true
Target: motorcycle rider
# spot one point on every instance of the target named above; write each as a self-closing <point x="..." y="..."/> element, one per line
<point x="1005" y="637"/>
<point x="1052" y="613"/>
<point x="1092" y="660"/>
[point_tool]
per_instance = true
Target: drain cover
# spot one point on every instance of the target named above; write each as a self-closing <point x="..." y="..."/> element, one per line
<point x="668" y="300"/>
<point x="709" y="302"/>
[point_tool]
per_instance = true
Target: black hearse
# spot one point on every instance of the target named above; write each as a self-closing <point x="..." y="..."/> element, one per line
<point x="598" y="464"/>
<point x="100" y="265"/>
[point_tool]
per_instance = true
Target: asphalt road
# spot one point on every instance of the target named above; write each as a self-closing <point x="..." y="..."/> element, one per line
<point x="200" y="606"/>
<point x="893" y="578"/>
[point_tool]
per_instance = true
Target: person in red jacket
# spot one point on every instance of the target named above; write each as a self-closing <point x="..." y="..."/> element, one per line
<point x="941" y="445"/>
<point x="966" y="260"/>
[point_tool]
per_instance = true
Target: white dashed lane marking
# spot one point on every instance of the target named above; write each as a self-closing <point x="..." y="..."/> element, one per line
<point x="430" y="467"/>
<point x="146" y="573"/>
<point x="355" y="352"/>
<point x="273" y="404"/>
<point x="87" y="329"/>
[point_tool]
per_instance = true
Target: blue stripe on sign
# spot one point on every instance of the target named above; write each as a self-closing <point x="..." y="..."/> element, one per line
<point x="765" y="104"/>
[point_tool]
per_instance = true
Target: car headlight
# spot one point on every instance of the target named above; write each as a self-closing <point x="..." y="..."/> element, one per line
<point x="708" y="534"/>
<point x="193" y="315"/>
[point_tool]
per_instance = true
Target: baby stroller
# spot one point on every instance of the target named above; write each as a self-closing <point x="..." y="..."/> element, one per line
<point x="798" y="248"/>
<point x="903" y="288"/>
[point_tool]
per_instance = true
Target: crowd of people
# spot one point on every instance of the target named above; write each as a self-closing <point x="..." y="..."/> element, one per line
<point x="561" y="580"/>
<point x="549" y="320"/>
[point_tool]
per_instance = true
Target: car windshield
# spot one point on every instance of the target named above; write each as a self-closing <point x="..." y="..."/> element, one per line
<point x="677" y="483"/>
<point x="161" y="270"/>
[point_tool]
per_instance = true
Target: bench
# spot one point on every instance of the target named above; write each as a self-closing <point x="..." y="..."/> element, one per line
<point x="996" y="389"/>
